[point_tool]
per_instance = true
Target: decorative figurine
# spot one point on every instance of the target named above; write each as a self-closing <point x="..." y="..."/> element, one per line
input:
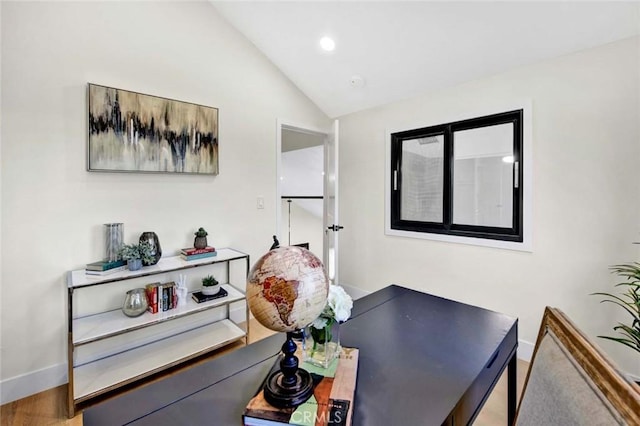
<point x="200" y="241"/>
<point x="276" y="243"/>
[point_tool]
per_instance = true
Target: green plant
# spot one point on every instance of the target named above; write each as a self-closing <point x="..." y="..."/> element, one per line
<point x="137" y="251"/>
<point x="629" y="300"/>
<point x="201" y="233"/>
<point x="209" y="281"/>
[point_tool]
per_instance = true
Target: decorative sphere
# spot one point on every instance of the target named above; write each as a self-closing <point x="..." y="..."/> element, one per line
<point x="287" y="288"/>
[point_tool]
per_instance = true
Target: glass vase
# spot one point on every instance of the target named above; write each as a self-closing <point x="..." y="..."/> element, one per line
<point x="135" y="302"/>
<point x="322" y="345"/>
<point x="156" y="251"/>
<point x="113" y="240"/>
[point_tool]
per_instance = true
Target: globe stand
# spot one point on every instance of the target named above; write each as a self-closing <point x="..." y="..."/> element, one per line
<point x="290" y="386"/>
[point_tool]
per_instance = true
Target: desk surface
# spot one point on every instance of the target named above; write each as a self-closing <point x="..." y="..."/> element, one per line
<point x="423" y="360"/>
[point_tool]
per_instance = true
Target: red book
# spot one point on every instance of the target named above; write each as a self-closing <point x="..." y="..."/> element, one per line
<point x="191" y="251"/>
<point x="152" y="298"/>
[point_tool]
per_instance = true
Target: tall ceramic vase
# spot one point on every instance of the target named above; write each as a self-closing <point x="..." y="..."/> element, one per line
<point x="154" y="242"/>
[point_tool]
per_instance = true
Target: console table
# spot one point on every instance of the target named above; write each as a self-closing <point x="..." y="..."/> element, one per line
<point x="423" y="360"/>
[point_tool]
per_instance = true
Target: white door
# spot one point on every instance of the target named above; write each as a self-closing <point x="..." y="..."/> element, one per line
<point x="331" y="224"/>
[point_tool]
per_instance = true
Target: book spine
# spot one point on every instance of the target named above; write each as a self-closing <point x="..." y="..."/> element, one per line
<point x="199" y="256"/>
<point x="155" y="299"/>
<point x="152" y="298"/>
<point x="149" y="293"/>
<point x="175" y="295"/>
<point x="106" y="272"/>
<point x="104" y="266"/>
<point x="190" y="251"/>
<point x="164" y="298"/>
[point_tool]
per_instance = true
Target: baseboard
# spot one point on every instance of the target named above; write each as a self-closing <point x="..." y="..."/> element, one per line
<point x="31" y="383"/>
<point x="354" y="292"/>
<point x="525" y="350"/>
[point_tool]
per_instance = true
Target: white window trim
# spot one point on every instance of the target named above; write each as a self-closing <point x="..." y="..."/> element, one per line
<point x="527" y="176"/>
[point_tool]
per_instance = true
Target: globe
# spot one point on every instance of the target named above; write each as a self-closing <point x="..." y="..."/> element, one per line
<point x="287" y="288"/>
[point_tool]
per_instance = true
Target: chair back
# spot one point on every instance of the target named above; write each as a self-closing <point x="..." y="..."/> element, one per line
<point x="570" y="382"/>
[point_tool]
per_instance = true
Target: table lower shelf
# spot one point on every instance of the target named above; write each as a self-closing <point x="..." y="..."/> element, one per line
<point x="100" y="376"/>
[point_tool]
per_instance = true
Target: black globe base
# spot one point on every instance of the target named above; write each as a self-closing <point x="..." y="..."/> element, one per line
<point x="291" y="386"/>
<point x="282" y="396"/>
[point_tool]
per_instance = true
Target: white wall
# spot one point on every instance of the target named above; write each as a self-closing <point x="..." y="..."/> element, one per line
<point x="586" y="195"/>
<point x="53" y="209"/>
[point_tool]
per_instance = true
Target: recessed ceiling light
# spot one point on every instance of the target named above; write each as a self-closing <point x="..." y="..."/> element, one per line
<point x="327" y="43"/>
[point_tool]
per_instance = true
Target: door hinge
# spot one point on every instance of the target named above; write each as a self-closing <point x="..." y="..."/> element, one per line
<point x="335" y="228"/>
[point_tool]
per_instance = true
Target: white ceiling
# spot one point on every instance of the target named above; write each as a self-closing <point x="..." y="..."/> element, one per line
<point x="403" y="49"/>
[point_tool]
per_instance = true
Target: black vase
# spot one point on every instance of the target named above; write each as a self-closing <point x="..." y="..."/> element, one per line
<point x="154" y="242"/>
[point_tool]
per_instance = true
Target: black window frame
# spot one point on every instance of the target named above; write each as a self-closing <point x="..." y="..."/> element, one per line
<point x="514" y="234"/>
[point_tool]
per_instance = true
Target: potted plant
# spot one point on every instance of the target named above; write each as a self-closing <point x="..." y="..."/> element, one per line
<point x="200" y="241"/>
<point x="135" y="254"/>
<point x="210" y="286"/>
<point x="629" y="300"/>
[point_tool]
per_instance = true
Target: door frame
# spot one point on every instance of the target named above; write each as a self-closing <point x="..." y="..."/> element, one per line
<point x="296" y="127"/>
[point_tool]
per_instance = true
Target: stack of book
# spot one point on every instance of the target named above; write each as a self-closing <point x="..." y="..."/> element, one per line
<point x="331" y="403"/>
<point x="194" y="253"/>
<point x="161" y="297"/>
<point x="199" y="297"/>
<point x="105" y="267"/>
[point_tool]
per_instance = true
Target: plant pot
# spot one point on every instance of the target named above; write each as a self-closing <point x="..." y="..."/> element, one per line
<point x="210" y="290"/>
<point x="200" y="242"/>
<point x="134" y="264"/>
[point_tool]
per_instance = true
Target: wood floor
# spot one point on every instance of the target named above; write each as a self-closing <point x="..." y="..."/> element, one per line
<point x="49" y="407"/>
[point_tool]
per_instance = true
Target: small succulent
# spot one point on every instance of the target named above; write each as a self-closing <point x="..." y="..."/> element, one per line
<point x="201" y="233"/>
<point x="142" y="251"/>
<point x="209" y="281"/>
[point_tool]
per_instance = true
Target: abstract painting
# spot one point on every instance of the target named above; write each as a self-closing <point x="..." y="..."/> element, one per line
<point x="132" y="132"/>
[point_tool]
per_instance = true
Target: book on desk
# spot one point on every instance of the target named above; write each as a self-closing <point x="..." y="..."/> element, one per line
<point x="331" y="403"/>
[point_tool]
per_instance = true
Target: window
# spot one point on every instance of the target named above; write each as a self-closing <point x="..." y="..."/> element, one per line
<point x="462" y="178"/>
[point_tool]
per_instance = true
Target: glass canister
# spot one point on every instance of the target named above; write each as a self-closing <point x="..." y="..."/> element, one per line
<point x="114" y="237"/>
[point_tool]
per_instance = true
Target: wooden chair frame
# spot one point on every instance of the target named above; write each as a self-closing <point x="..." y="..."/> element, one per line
<point x="622" y="394"/>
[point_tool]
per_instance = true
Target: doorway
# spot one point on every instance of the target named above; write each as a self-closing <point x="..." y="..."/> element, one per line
<point x="301" y="188"/>
<point x="311" y="157"/>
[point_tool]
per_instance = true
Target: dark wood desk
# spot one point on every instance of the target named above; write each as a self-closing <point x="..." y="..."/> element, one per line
<point x="424" y="360"/>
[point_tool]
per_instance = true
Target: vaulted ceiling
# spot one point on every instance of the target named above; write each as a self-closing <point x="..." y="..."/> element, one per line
<point x="391" y="50"/>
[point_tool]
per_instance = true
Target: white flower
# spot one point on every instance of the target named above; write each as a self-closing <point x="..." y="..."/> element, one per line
<point x="338" y="308"/>
<point x="339" y="302"/>
<point x="319" y="323"/>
